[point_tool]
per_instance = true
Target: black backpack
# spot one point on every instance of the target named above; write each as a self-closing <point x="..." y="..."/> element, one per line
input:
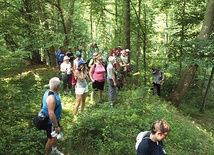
<point x="87" y="63"/>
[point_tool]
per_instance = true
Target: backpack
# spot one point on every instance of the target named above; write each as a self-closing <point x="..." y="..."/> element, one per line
<point x="88" y="61"/>
<point x="41" y="120"/>
<point x="140" y="137"/>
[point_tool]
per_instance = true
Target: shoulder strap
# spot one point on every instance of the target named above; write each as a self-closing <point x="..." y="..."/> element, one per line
<point x="161" y="75"/>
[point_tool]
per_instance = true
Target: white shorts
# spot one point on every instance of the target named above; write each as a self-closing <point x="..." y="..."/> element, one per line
<point x="80" y="91"/>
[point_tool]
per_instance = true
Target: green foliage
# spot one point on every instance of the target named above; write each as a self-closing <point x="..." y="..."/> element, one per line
<point x="100" y="129"/>
<point x="103" y="130"/>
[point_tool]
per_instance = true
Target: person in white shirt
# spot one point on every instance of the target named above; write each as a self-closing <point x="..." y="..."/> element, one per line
<point x="66" y="69"/>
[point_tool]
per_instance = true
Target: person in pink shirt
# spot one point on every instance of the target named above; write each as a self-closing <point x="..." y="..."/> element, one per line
<point x="97" y="75"/>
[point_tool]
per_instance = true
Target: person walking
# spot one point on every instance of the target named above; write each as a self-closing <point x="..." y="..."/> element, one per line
<point x="66" y="69"/>
<point x="158" y="79"/>
<point x="53" y="109"/>
<point x="81" y="88"/>
<point x="111" y="79"/>
<point x="152" y="142"/>
<point x="98" y="77"/>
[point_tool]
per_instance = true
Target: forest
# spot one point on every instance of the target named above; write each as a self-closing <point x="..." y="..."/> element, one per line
<point x="176" y="35"/>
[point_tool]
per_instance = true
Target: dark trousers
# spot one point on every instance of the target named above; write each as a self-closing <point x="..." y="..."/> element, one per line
<point x="66" y="78"/>
<point x="157" y="87"/>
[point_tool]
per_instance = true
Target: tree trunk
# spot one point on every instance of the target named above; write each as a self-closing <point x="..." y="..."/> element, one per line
<point x="138" y="37"/>
<point x="58" y="5"/>
<point x="126" y="13"/>
<point x="91" y="23"/>
<point x="69" y="21"/>
<point x="183" y="85"/>
<point x="189" y="74"/>
<point x="144" y="42"/>
<point x="208" y="21"/>
<point x="207" y="90"/>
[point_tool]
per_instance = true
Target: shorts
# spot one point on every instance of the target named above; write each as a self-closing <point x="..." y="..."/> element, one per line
<point x="98" y="85"/>
<point x="80" y="91"/>
<point x="124" y="73"/>
<point x="50" y="129"/>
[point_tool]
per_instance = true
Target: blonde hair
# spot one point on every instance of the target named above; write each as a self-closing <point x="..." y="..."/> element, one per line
<point x="160" y="125"/>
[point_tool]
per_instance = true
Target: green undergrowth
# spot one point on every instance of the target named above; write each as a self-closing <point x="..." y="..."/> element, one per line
<point x="100" y="130"/>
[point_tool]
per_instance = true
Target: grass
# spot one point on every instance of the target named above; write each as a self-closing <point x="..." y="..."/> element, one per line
<point x="100" y="129"/>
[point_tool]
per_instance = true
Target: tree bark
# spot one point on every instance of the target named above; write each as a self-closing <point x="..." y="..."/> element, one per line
<point x="126" y="13"/>
<point x="208" y="21"/>
<point x="138" y="37"/>
<point x="207" y="90"/>
<point x="69" y="21"/>
<point x="189" y="74"/>
<point x="183" y="85"/>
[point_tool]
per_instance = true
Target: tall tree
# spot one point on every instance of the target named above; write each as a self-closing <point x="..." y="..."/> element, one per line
<point x="126" y="20"/>
<point x="69" y="21"/>
<point x="189" y="74"/>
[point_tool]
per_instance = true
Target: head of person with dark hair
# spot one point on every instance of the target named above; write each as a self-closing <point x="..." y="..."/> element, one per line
<point x="60" y="48"/>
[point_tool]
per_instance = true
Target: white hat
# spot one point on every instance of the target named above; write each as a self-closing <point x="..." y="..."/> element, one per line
<point x="95" y="55"/>
<point x="127" y="50"/>
<point x="66" y="58"/>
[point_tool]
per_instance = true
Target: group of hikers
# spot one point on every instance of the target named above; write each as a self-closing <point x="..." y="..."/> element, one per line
<point x="99" y="68"/>
<point x="75" y="72"/>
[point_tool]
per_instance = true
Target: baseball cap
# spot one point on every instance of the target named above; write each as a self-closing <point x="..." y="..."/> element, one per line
<point x="81" y="62"/>
<point x="79" y="54"/>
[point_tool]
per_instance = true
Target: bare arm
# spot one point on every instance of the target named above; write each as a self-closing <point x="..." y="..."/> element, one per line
<point x="91" y="73"/>
<point x="123" y="65"/>
<point x="113" y="77"/>
<point x="51" y="103"/>
<point x="79" y="75"/>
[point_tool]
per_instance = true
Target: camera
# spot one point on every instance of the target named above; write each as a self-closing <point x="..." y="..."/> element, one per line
<point x="155" y="70"/>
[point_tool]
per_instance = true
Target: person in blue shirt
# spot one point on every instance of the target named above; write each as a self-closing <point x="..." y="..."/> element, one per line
<point x="59" y="59"/>
<point x="151" y="143"/>
<point x="52" y="108"/>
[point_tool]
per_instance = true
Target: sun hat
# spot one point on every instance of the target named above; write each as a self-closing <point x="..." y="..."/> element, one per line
<point x="81" y="62"/>
<point x="95" y="55"/>
<point x="127" y="50"/>
<point x="66" y="58"/>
